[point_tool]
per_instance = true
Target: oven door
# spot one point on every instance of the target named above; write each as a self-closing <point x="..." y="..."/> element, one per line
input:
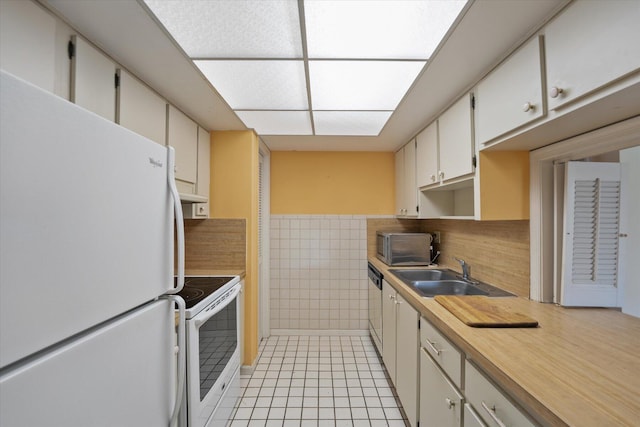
<point x="213" y="356"/>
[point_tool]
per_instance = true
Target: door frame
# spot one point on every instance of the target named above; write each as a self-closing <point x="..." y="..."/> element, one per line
<point x="618" y="136"/>
<point x="264" y="307"/>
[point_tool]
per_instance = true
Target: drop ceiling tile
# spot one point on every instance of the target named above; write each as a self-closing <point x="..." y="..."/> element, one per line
<point x="368" y="123"/>
<point x="378" y="29"/>
<point x="277" y="122"/>
<point x="258" y="85"/>
<point x="360" y="85"/>
<point x="232" y="29"/>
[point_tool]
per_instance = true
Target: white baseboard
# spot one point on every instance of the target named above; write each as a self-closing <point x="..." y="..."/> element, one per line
<point x="321" y="332"/>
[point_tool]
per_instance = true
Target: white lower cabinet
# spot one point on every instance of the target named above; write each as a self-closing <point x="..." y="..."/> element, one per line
<point x="440" y="401"/>
<point x="407" y="358"/>
<point x="389" y="329"/>
<point x="493" y="406"/>
<point x="400" y="348"/>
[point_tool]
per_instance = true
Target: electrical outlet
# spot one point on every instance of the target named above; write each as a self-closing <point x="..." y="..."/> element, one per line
<point x="436" y="236"/>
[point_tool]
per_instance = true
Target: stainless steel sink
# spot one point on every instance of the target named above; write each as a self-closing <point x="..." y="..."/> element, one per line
<point x="425" y="275"/>
<point x="446" y="287"/>
<point x="432" y="282"/>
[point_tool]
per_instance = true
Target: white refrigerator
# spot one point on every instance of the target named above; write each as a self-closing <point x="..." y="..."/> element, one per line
<point x="87" y="324"/>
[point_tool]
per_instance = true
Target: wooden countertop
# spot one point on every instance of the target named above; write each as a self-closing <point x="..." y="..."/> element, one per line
<point x="580" y="367"/>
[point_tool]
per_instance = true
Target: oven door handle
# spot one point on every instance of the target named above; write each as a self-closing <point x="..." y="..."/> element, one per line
<point x="208" y="314"/>
<point x="182" y="356"/>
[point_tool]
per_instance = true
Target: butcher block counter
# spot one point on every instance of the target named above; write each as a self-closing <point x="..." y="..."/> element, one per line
<point x="579" y="367"/>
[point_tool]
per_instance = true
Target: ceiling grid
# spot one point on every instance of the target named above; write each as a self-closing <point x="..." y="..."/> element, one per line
<point x="309" y="67"/>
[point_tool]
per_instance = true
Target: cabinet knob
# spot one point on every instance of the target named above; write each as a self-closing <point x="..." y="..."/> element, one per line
<point x="528" y="107"/>
<point x="441" y="174"/>
<point x="555" y="91"/>
<point x="433" y="178"/>
<point x="450" y="403"/>
<point x="201" y="209"/>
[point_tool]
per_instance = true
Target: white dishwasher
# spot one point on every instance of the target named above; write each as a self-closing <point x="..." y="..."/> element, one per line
<point x="375" y="306"/>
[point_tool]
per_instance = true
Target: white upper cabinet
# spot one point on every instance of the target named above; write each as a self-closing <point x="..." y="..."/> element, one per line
<point x="33" y="57"/>
<point x="590" y="44"/>
<point x="204" y="161"/>
<point x="427" y="156"/>
<point x="183" y="136"/>
<point x="511" y="96"/>
<point x="93" y="77"/>
<point x="406" y="189"/>
<point x="456" y="140"/>
<point x="141" y="109"/>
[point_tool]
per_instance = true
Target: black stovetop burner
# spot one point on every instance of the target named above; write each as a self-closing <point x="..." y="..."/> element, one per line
<point x="198" y="288"/>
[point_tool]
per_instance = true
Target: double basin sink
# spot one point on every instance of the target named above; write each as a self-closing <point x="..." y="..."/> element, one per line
<point x="432" y="282"/>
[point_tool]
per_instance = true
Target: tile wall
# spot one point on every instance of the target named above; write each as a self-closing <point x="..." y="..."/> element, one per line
<point x="318" y="273"/>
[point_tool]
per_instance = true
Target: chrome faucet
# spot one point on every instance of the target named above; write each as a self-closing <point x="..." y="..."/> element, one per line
<point x="466" y="268"/>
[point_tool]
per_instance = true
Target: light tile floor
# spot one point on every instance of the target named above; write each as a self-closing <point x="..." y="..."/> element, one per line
<point x="318" y="381"/>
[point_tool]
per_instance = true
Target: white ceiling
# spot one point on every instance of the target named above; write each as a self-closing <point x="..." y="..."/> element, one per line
<point x="350" y="60"/>
<point x="484" y="34"/>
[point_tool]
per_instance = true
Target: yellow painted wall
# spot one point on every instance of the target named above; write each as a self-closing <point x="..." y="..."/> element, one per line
<point x="234" y="194"/>
<point x="504" y="185"/>
<point x="332" y="183"/>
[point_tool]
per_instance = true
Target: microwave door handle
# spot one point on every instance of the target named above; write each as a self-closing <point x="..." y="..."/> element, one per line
<point x="177" y="207"/>
<point x="198" y="321"/>
<point x="182" y="357"/>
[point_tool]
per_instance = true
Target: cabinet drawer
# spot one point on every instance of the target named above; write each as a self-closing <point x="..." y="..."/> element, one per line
<point x="440" y="400"/>
<point x="471" y="417"/>
<point x="436" y="345"/>
<point x="490" y="403"/>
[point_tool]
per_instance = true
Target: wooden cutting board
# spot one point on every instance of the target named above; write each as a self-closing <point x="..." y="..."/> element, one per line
<point x="484" y="312"/>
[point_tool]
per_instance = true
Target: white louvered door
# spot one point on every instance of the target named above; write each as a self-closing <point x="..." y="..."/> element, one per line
<point x="591" y="233"/>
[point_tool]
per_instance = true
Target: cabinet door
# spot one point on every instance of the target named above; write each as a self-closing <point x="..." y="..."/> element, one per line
<point x="201" y="210"/>
<point x="183" y="136"/>
<point x="456" y="143"/>
<point x="389" y="329"/>
<point x="27" y="37"/>
<point x="440" y="401"/>
<point x="427" y="156"/>
<point x="590" y="44"/>
<point x="410" y="189"/>
<point x="141" y="109"/>
<point x="93" y="77"/>
<point x="510" y="96"/>
<point x="407" y="358"/>
<point x="400" y="202"/>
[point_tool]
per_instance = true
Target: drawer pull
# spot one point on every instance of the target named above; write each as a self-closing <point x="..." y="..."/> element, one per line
<point x="450" y="403"/>
<point x="433" y="347"/>
<point x="492" y="413"/>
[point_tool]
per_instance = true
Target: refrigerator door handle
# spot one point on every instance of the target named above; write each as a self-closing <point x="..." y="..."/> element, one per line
<point x="182" y="357"/>
<point x="171" y="160"/>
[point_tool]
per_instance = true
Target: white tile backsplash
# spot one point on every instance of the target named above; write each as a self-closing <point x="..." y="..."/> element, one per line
<point x="318" y="275"/>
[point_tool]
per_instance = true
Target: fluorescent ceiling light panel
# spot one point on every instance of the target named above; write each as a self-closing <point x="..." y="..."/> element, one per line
<point x="366" y="123"/>
<point x="258" y="85"/>
<point x="360" y="85"/>
<point x="232" y="29"/>
<point x="277" y="122"/>
<point x="378" y="29"/>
